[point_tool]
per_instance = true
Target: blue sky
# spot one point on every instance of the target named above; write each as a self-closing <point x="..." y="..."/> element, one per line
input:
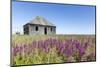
<point x="69" y="19"/>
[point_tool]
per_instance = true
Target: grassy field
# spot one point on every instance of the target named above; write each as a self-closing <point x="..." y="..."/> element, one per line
<point x="43" y="49"/>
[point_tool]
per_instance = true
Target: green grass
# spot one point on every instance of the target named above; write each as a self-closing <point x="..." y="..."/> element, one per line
<point x="40" y="57"/>
<point x="27" y="39"/>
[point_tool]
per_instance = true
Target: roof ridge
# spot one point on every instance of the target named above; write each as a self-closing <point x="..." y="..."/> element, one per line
<point x="42" y="21"/>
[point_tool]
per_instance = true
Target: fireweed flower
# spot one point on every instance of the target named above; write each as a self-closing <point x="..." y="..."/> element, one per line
<point x="61" y="48"/>
<point x="68" y="52"/>
<point x="14" y="53"/>
<point x="81" y="51"/>
<point x="68" y="47"/>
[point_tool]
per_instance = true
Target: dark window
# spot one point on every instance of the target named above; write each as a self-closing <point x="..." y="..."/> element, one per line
<point x="36" y="28"/>
<point x="26" y="30"/>
<point x="51" y="29"/>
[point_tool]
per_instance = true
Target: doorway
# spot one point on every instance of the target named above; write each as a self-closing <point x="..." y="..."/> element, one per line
<point x="45" y="31"/>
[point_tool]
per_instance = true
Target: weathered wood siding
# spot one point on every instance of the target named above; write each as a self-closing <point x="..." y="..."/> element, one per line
<point x="41" y="30"/>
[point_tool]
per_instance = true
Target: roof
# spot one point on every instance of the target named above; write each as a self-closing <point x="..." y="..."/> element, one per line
<point x="41" y="21"/>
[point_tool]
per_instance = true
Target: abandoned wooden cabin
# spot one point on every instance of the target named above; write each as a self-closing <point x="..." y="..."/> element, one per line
<point x="39" y="26"/>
